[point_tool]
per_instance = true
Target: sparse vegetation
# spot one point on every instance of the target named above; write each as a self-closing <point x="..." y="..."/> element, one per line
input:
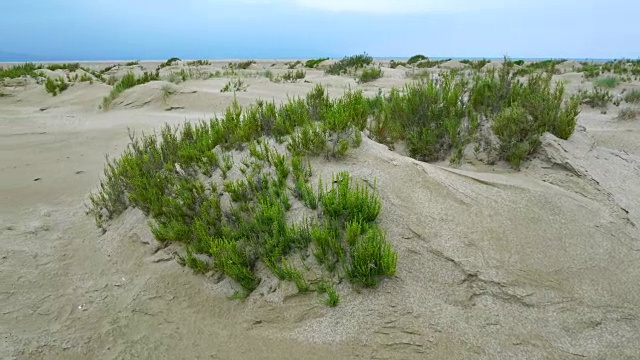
<point x="416" y="59"/>
<point x="628" y="113"/>
<point x="132" y="63"/>
<point x="55" y="86"/>
<point x="199" y="63"/>
<point x="478" y="64"/>
<point x="159" y="174"/>
<point x="294" y="64"/>
<point x="394" y="64"/>
<point x="291" y="76"/>
<point x="349" y="64"/>
<point x="16" y="71"/>
<point x="128" y="81"/>
<point x="608" y="82"/>
<point x="167" y="92"/>
<point x="241" y="65"/>
<point x="234" y="85"/>
<point x="313" y="63"/>
<point x="168" y="63"/>
<point x="633" y="96"/>
<point x="547" y="66"/>
<point x="369" y="74"/>
<point x="596" y="98"/>
<point x="68" y="67"/>
<point x="430" y="63"/>
<point x="224" y="187"/>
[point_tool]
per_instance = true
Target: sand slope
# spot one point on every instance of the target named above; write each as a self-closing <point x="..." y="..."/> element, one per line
<point x="540" y="264"/>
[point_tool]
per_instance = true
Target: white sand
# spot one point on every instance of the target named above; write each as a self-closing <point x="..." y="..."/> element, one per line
<point x="540" y="264"/>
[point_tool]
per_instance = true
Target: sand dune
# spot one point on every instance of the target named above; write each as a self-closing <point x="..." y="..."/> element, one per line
<point x="493" y="264"/>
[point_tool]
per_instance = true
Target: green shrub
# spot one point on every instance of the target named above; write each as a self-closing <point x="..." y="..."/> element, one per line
<point x="633" y="96"/>
<point x="370" y="258"/>
<point x="348" y="203"/>
<point x="68" y="67"/>
<point x="168" y="63"/>
<point x="369" y="74"/>
<point x="199" y="63"/>
<point x="132" y="63"/>
<point x="294" y="64"/>
<point x="596" y="98"/>
<point x="416" y="58"/>
<point x="243" y="65"/>
<point x="161" y="174"/>
<point x="293" y="76"/>
<point x="479" y="64"/>
<point x="16" y="71"/>
<point x="349" y="64"/>
<point x="313" y="63"/>
<point x="55" y="86"/>
<point x="608" y="82"/>
<point x="532" y="109"/>
<point x="394" y="64"/>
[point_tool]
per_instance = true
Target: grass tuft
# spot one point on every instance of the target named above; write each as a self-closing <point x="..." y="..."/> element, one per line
<point x="628" y="113"/>
<point x="607" y="82"/>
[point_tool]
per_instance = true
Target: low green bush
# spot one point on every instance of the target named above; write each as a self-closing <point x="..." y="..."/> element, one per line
<point x="55" y="86"/>
<point x="596" y="98"/>
<point x="369" y="74"/>
<point x="416" y="59"/>
<point x="349" y="64"/>
<point x="168" y="63"/>
<point x="313" y="63"/>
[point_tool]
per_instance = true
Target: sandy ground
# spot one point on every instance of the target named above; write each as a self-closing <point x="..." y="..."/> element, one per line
<point x="540" y="264"/>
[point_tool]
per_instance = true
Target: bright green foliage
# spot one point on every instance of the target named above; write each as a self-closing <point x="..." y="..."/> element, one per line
<point x="326" y="287"/>
<point x="313" y="63"/>
<point x="371" y="257"/>
<point x="55" y="86"/>
<point x="346" y="202"/>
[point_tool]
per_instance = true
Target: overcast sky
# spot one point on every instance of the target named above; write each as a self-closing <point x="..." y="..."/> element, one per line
<point x="192" y="29"/>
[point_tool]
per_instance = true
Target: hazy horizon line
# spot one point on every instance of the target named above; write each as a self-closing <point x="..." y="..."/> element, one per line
<point x="36" y="59"/>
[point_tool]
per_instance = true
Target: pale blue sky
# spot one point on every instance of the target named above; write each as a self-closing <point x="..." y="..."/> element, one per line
<point x="191" y="29"/>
